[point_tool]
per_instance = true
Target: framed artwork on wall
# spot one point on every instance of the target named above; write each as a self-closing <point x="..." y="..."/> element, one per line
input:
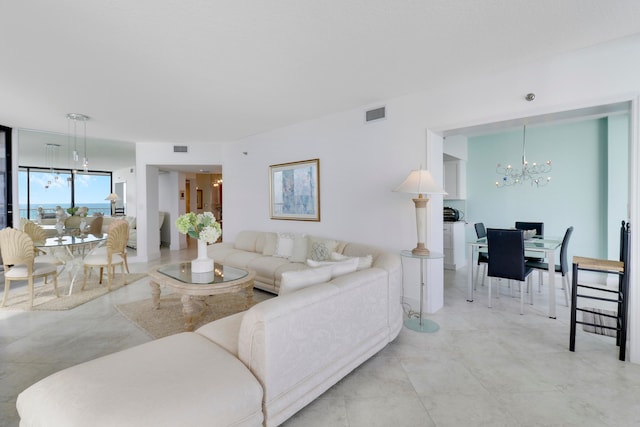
<point x="295" y="190"/>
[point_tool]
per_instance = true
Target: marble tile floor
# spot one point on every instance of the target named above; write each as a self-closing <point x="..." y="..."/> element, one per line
<point x="484" y="367"/>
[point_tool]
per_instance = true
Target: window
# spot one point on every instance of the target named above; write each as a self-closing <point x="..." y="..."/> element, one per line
<point x="48" y="188"/>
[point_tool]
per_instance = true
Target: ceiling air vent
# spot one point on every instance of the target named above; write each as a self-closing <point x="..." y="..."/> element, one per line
<point x="179" y="148"/>
<point x="375" y="114"/>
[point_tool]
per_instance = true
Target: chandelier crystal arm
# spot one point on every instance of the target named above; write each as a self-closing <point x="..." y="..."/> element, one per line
<point x="533" y="173"/>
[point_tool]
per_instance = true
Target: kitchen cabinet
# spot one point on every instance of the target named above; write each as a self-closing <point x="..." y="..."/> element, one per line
<point x="455" y="179"/>
<point x="454" y="239"/>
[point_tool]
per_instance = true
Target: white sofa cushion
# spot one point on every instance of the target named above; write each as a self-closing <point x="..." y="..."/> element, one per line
<point x="180" y="380"/>
<point x="224" y="332"/>
<point x="295" y="280"/>
<point x="300" y="248"/>
<point x="284" y="245"/>
<point x="338" y="268"/>
<point x="363" y="261"/>
<point x="270" y="242"/>
<point x="320" y="249"/>
<point x="246" y="240"/>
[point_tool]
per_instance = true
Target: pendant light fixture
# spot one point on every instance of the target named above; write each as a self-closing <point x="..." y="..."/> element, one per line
<point x="75" y="118"/>
<point x="534" y="173"/>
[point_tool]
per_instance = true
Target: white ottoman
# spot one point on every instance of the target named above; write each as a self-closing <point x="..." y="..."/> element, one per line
<point x="183" y="379"/>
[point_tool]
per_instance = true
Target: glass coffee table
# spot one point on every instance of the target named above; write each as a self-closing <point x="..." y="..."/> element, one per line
<point x="195" y="286"/>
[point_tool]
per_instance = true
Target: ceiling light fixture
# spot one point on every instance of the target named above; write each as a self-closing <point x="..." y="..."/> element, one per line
<point x="77" y="117"/>
<point x="533" y="173"/>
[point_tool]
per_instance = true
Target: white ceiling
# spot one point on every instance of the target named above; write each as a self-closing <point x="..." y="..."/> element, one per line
<point x="199" y="71"/>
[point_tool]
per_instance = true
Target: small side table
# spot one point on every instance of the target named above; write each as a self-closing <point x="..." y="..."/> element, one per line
<point x="416" y="322"/>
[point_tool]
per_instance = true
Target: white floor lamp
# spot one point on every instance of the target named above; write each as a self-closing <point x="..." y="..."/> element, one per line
<point x="420" y="182"/>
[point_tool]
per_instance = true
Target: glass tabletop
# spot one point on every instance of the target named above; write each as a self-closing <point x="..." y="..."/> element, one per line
<point x="71" y="240"/>
<point x="533" y="243"/>
<point x="220" y="274"/>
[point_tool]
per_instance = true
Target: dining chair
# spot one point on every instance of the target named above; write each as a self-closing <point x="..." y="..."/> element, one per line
<point x="538" y="226"/>
<point x="18" y="259"/>
<point x="38" y="235"/>
<point x="109" y="257"/>
<point x="562" y="268"/>
<point x="123" y="250"/>
<point x="506" y="260"/>
<point x="95" y="227"/>
<point x="481" y="232"/>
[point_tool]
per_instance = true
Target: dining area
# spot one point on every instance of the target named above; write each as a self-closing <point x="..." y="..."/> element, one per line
<point x="509" y="256"/>
<point x="59" y="264"/>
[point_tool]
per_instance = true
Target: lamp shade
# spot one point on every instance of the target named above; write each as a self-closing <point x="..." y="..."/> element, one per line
<point x="420" y="181"/>
<point x="113" y="197"/>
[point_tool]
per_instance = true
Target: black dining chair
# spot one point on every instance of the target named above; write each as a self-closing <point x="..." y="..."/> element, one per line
<point x="483" y="258"/>
<point x="562" y="268"/>
<point x="538" y="226"/>
<point x="506" y="260"/>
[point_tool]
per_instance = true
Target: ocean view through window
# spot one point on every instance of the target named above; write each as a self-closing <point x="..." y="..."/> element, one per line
<point x="48" y="188"/>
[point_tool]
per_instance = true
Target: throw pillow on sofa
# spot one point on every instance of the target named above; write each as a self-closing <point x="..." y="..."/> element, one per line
<point x="363" y="261"/>
<point x="320" y="249"/>
<point x="338" y="268"/>
<point x="292" y="281"/>
<point x="291" y="246"/>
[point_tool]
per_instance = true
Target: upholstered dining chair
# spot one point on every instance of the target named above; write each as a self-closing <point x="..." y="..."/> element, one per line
<point x="539" y="227"/>
<point x="18" y="258"/>
<point x="109" y="256"/>
<point x="562" y="268"/>
<point x="123" y="250"/>
<point x="95" y="227"/>
<point x="483" y="258"/>
<point x="506" y="260"/>
<point x="38" y="235"/>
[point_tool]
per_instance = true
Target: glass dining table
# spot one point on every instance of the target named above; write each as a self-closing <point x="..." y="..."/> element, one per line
<point x="75" y="247"/>
<point x="545" y="246"/>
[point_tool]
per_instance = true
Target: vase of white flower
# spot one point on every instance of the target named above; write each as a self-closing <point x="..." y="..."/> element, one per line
<point x="205" y="229"/>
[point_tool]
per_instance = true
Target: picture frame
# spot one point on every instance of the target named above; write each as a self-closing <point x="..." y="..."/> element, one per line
<point x="199" y="198"/>
<point x="295" y="190"/>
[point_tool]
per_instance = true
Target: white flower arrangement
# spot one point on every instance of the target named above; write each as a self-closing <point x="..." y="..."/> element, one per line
<point x="201" y="226"/>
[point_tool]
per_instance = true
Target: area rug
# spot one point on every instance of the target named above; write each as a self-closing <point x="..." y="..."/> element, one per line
<point x="45" y="299"/>
<point x="169" y="320"/>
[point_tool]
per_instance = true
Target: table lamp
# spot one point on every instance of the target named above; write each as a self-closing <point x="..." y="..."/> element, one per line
<point x="113" y="197"/>
<point x="420" y="182"/>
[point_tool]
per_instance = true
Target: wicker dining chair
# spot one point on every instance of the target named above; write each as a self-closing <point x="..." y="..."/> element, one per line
<point x="18" y="258"/>
<point x="109" y="255"/>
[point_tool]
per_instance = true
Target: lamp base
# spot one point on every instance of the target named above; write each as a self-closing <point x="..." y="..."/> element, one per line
<point x="420" y="250"/>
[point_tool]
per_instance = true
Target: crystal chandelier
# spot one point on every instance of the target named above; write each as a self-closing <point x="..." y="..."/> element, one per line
<point x="75" y="118"/>
<point x="534" y="173"/>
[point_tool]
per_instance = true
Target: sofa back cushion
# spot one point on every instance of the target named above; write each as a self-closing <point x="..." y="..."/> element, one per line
<point x="292" y="281"/>
<point x="270" y="242"/>
<point x="246" y="240"/>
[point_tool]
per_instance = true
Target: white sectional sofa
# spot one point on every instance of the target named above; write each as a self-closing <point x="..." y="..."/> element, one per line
<point x="257" y="367"/>
<point x="271" y="254"/>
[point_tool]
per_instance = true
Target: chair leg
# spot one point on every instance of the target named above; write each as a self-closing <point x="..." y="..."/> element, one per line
<point x="490" y="286"/>
<point x="7" y="284"/>
<point x="126" y="263"/>
<point x="522" y="288"/>
<point x="101" y="272"/>
<point x="30" y="292"/>
<point x="110" y="270"/>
